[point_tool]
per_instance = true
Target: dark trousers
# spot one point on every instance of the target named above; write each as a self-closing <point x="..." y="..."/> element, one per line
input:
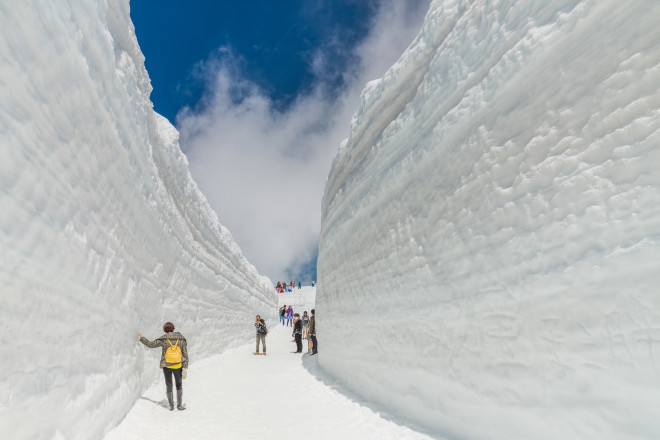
<point x="168" y="378"/>
<point x="298" y="343"/>
<point x="315" y="347"/>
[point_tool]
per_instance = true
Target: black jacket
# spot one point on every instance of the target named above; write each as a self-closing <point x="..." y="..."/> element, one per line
<point x="297" y="327"/>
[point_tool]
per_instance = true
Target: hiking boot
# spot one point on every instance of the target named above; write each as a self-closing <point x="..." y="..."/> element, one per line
<point x="256" y="352"/>
<point x="170" y="399"/>
<point x="264" y="353"/>
<point x="179" y="400"/>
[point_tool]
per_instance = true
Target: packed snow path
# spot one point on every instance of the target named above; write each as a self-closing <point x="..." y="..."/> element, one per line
<point x="237" y="395"/>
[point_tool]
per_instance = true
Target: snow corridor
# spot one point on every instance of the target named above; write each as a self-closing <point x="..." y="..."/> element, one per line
<point x="237" y="395"/>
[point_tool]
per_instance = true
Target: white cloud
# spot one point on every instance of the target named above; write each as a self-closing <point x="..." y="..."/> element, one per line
<point x="264" y="170"/>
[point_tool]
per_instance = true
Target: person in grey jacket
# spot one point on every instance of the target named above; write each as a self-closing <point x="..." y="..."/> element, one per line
<point x="262" y="331"/>
<point x="177" y="369"/>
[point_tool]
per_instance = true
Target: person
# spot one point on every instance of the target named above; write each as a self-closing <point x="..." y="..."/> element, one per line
<point x="299" y="285"/>
<point x="173" y="360"/>
<point x="297" y="332"/>
<point x="312" y="334"/>
<point x="282" y="314"/>
<point x="305" y="325"/>
<point x="262" y="331"/>
<point x="313" y="283"/>
<point x="289" y="316"/>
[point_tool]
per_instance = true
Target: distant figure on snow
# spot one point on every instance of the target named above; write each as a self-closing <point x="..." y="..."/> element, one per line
<point x="173" y="360"/>
<point x="297" y="332"/>
<point x="262" y="331"/>
<point x="299" y="285"/>
<point x="313" y="283"/>
<point x="312" y="334"/>
<point x="283" y="314"/>
<point x="289" y="316"/>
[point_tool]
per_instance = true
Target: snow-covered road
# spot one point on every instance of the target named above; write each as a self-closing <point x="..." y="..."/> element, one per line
<point x="237" y="395"/>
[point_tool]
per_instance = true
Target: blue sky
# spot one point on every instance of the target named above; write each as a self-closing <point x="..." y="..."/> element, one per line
<point x="276" y="42"/>
<point x="262" y="93"/>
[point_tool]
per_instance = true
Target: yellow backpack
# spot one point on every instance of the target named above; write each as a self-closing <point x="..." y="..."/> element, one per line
<point x="173" y="353"/>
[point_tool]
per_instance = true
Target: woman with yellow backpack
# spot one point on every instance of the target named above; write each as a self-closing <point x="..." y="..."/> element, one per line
<point x="173" y="361"/>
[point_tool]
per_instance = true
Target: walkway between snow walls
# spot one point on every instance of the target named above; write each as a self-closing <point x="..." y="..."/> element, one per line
<point x="237" y="395"/>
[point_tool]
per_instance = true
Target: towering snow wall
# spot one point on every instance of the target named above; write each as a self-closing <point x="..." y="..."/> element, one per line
<point x="103" y="233"/>
<point x="490" y="237"/>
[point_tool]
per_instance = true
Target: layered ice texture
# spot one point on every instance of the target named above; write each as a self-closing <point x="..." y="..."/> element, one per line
<point x="490" y="239"/>
<point x="103" y="233"/>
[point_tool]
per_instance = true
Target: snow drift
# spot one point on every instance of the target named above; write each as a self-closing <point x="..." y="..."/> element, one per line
<point x="491" y="228"/>
<point x="103" y="232"/>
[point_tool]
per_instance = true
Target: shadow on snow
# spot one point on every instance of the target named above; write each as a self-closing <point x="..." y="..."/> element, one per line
<point x="311" y="364"/>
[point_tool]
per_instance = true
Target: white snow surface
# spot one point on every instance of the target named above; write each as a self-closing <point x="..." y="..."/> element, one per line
<point x="102" y="230"/>
<point x="491" y="227"/>
<point x="237" y="396"/>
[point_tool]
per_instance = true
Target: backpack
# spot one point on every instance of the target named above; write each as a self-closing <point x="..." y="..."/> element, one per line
<point x="173" y="353"/>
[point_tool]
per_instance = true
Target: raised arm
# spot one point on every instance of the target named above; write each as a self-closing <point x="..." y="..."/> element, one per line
<point x="148" y="343"/>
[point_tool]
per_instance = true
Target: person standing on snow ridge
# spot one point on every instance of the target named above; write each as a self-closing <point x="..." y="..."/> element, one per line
<point x="312" y="334"/>
<point x="289" y="316"/>
<point x="283" y="314"/>
<point x="305" y="325"/>
<point x="297" y="332"/>
<point x="299" y="285"/>
<point x="262" y="331"/>
<point x="173" y="360"/>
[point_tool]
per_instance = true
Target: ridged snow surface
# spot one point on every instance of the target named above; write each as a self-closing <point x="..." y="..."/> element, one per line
<point x="490" y="239"/>
<point x="103" y="232"/>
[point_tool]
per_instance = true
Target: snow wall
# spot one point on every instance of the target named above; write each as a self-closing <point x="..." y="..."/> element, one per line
<point x="102" y="230"/>
<point x="490" y="238"/>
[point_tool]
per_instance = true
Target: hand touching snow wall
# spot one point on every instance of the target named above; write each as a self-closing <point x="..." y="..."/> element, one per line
<point x="490" y="237"/>
<point x="102" y="230"/>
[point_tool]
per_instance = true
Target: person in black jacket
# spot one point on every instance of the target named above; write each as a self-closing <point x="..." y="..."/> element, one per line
<point x="282" y="314"/>
<point x="297" y="332"/>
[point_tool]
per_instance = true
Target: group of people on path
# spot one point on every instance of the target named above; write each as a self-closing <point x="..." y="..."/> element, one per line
<point x="305" y="328"/>
<point x="174" y="357"/>
<point x="282" y="286"/>
<point x="286" y="315"/>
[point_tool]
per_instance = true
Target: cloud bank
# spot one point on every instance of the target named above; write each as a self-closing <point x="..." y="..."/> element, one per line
<point x="263" y="169"/>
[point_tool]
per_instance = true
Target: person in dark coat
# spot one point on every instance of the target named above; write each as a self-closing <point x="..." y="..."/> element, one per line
<point x="283" y="314"/>
<point x="297" y="332"/>
<point x="177" y="369"/>
<point x="312" y="333"/>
